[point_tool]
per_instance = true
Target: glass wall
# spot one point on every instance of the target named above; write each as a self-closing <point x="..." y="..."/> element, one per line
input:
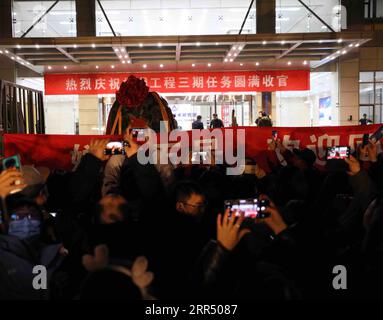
<point x="60" y="21"/>
<point x="174" y="17"/>
<point x="371" y="95"/>
<point x="292" y="16"/>
<point x="316" y="107"/>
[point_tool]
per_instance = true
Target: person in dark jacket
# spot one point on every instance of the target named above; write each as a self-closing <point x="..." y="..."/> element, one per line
<point x="216" y="123"/>
<point x="265" y="121"/>
<point x="197" y="124"/>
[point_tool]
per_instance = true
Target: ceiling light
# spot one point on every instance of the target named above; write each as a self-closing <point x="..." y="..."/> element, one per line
<point x="75" y="46"/>
<point x="241" y="64"/>
<point x="49" y="67"/>
<point x="37" y="46"/>
<point x="198" y="44"/>
<point x="22" y="63"/>
<point x="13" y="58"/>
<point x="257" y="63"/>
<point x="234" y="54"/>
<point x="193" y="65"/>
<point x="123" y="61"/>
<point x="320" y="41"/>
<point x="159" y="44"/>
<point x="93" y="45"/>
<point x="1" y="51"/>
<point x="229" y="54"/>
<point x="126" y="56"/>
<point x="112" y="66"/>
<point x="351" y="45"/>
<point x="225" y="60"/>
<point x="340" y="41"/>
<point x="264" y="42"/>
<point x="209" y="65"/>
<point x="116" y="49"/>
<point x="283" y="42"/>
<point x="357" y="45"/>
<point x="18" y="58"/>
<point x="289" y="63"/>
<point x="231" y="60"/>
<point x="120" y="56"/>
<point x="234" y="48"/>
<point x="216" y="43"/>
<point x="144" y="66"/>
<point x="344" y="52"/>
<point x="122" y="49"/>
<point x="332" y="58"/>
<point x="65" y="67"/>
<point x="305" y="62"/>
<point x="161" y="65"/>
<point x="338" y="52"/>
<point x="129" y="61"/>
<point x="141" y="45"/>
<point x="6" y="51"/>
<point x="96" y="67"/>
<point x="18" y="46"/>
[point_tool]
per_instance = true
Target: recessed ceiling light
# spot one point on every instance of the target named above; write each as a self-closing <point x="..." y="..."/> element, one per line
<point x="234" y="54"/>
<point x="13" y="58"/>
<point x="193" y="65"/>
<point x="229" y="54"/>
<point x="225" y="60"/>
<point x="126" y="56"/>
<point x="264" y="42"/>
<point x="112" y="66"/>
<point x="1" y="51"/>
<point x="123" y="61"/>
<point x="320" y="41"/>
<point x="116" y="49"/>
<point x="65" y="67"/>
<point x="159" y="44"/>
<point x="344" y="52"/>
<point x="332" y="58"/>
<point x="129" y="61"/>
<point x="49" y="67"/>
<point x="283" y="42"/>
<point x="75" y="46"/>
<point x="6" y="51"/>
<point x="144" y="66"/>
<point x="351" y="45"/>
<point x="289" y="63"/>
<point x="122" y="49"/>
<point x="161" y="65"/>
<point x="37" y="46"/>
<point x="96" y="67"/>
<point x="216" y="43"/>
<point x="93" y="45"/>
<point x="357" y="45"/>
<point x="198" y="44"/>
<point x="340" y="40"/>
<point x="22" y="63"/>
<point x="209" y="65"/>
<point x="257" y="63"/>
<point x="338" y="52"/>
<point x="18" y="58"/>
<point x="234" y="48"/>
<point x="241" y="64"/>
<point x="231" y="60"/>
<point x="305" y="62"/>
<point x="18" y="46"/>
<point x="141" y="45"/>
<point x="240" y="48"/>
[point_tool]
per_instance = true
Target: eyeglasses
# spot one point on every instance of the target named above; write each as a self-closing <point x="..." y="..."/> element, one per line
<point x="198" y="206"/>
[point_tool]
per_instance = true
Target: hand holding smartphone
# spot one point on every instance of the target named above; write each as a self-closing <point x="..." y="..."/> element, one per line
<point x="338" y="153"/>
<point x="252" y="208"/>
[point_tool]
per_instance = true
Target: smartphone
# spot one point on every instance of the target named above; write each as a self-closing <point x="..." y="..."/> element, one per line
<point x="377" y="135"/>
<point x="339" y="153"/>
<point x="115" y="148"/>
<point x="199" y="156"/>
<point x="11" y="162"/>
<point x="274" y="134"/>
<point x="252" y="208"/>
<point x="365" y="140"/>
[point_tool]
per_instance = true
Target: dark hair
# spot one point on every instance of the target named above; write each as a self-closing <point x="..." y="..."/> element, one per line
<point x="264" y="114"/>
<point x="199" y="117"/>
<point x="215" y="115"/>
<point x="184" y="189"/>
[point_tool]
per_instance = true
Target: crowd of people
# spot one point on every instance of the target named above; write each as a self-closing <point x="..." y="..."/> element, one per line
<point x="118" y="229"/>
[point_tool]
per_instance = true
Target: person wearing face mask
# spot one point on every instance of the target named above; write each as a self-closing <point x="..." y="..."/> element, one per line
<point x="21" y="244"/>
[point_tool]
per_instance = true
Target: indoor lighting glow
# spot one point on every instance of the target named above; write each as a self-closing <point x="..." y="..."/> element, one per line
<point x="289" y="63"/>
<point x="75" y="46"/>
<point x="141" y="45"/>
<point x="1" y="52"/>
<point x="241" y="64"/>
<point x="216" y="43"/>
<point x="350" y="45"/>
<point x="65" y="67"/>
<point x="193" y="65"/>
<point x="18" y="46"/>
<point x="239" y="48"/>
<point x="49" y="67"/>
<point x="161" y="65"/>
<point x="123" y="61"/>
<point x="120" y="56"/>
<point x="229" y="54"/>
<point x="6" y="51"/>
<point x="264" y="42"/>
<point x="126" y="56"/>
<point x="18" y="58"/>
<point x="144" y="66"/>
<point x="209" y="65"/>
<point x="160" y="44"/>
<point x="116" y="49"/>
<point x="198" y="44"/>
<point x="357" y="45"/>
<point x="96" y="67"/>
<point x="112" y="66"/>
<point x="122" y="49"/>
<point x="257" y="63"/>
<point x="340" y="41"/>
<point x="13" y="58"/>
<point x="305" y="62"/>
<point x="225" y="60"/>
<point x="129" y="61"/>
<point x="231" y="60"/>
<point x="37" y="46"/>
<point x="283" y="42"/>
<point x="344" y="52"/>
<point x="234" y="48"/>
<point x="93" y="45"/>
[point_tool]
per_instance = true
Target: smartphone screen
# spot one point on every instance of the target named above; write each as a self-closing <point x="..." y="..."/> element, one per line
<point x="11" y="162"/>
<point x="252" y="208"/>
<point x="377" y="135"/>
<point x="338" y="153"/>
<point x="114" y="148"/>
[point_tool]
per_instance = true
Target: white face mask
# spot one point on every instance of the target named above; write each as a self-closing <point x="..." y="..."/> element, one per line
<point x="24" y="228"/>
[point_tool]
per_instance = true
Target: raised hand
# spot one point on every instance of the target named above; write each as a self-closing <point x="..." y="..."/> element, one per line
<point x="97" y="147"/>
<point x="353" y="165"/>
<point x="274" y="220"/>
<point x="10" y="180"/>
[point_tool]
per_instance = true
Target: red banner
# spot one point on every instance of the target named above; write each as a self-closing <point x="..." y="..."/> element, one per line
<point x="65" y="151"/>
<point x="246" y="81"/>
